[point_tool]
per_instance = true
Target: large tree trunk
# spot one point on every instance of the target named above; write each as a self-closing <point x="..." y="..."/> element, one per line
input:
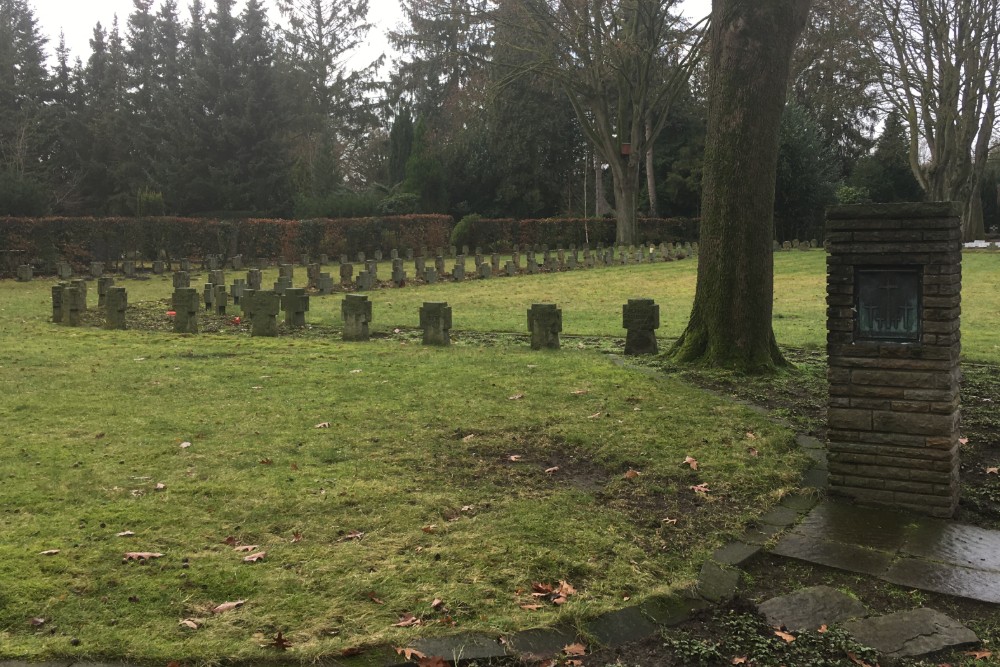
<point x="751" y="45"/>
<point x="601" y="205"/>
<point x="626" y="184"/>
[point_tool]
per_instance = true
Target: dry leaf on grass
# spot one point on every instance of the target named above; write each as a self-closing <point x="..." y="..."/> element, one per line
<point x="280" y="643"/>
<point x="296" y="536"/>
<point x="531" y="607"/>
<point x="752" y="451"/>
<point x="669" y="521"/>
<point x="575" y="649"/>
<point x="374" y="597"/>
<point x="185" y="445"/>
<point x="993" y="471"/>
<point x="37" y="622"/>
<point x="247" y="548"/>
<point x="231" y="540"/>
<point x="515" y="397"/>
<point x="553" y="469"/>
<point x="322" y="425"/>
<point x="429" y="529"/>
<point x="515" y="458"/>
<point x="253" y="558"/>
<point x="691" y="461"/>
<point x="963" y="441"/>
<point x="437" y="603"/>
<point x="190" y="623"/>
<point x="406" y="621"/>
<point x="700" y="488"/>
<point x="741" y="660"/>
<point x="631" y="474"/>
<point x="594" y="416"/>
<point x="822" y="629"/>
<point x="353" y="535"/>
<point x="751" y="435"/>
<point x="50" y="552"/>
<point x="979" y="655"/>
<point x="469" y="438"/>
<point x="580" y="392"/>
<point x="125" y="533"/>
<point x="142" y="555"/>
<point x="228" y="606"/>
<point x="856" y="660"/>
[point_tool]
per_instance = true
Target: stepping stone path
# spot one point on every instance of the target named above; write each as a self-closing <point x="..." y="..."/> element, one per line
<point x="908" y="634"/>
<point x="810" y="608"/>
<point x="902" y="548"/>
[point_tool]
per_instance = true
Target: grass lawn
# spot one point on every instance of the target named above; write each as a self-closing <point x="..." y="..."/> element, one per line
<point x="463" y="475"/>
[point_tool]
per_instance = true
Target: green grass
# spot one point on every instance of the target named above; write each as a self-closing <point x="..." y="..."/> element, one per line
<point x="94" y="421"/>
<point x="418" y="437"/>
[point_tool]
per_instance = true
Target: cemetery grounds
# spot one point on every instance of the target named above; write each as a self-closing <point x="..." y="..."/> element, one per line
<point x="397" y="490"/>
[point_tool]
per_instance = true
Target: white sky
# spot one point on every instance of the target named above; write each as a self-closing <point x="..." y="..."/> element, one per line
<point x="76" y="18"/>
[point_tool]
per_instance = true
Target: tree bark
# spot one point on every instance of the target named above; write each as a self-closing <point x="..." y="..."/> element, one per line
<point x="601" y="205"/>
<point x="651" y="174"/>
<point x="751" y="44"/>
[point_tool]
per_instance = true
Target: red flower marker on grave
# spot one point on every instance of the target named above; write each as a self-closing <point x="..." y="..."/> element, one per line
<point x="171" y="313"/>
<point x="236" y="320"/>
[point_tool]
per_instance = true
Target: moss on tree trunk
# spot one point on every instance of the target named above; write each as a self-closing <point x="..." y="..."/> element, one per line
<point x="751" y="44"/>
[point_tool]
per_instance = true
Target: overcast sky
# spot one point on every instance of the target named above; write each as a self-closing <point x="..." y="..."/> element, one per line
<point x="76" y="18"/>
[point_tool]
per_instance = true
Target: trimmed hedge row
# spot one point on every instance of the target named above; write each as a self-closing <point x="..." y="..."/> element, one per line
<point x="43" y="241"/>
<point x="500" y="234"/>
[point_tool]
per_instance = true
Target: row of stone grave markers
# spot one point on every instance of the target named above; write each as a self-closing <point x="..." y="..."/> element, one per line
<point x="69" y="302"/>
<point x="428" y="268"/>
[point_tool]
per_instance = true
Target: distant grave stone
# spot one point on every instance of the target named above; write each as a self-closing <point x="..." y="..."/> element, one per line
<point x="435" y="320"/>
<point x="104" y="283"/>
<point x="325" y="284"/>
<point x="485" y="271"/>
<point x="430" y="275"/>
<point x="295" y="303"/>
<point x="117" y="304"/>
<point x="346" y="273"/>
<point x="64" y="270"/>
<point x="181" y="279"/>
<point x="361" y="258"/>
<point x="255" y="279"/>
<point x="545" y="324"/>
<point x="74" y="303"/>
<point x="511" y="270"/>
<point x="378" y="254"/>
<point x="217" y="277"/>
<point x="208" y="295"/>
<point x="220" y="299"/>
<point x="419" y="264"/>
<point x="398" y="273"/>
<point x="186" y="307"/>
<point x="96" y="269"/>
<point x="356" y="310"/>
<point x="185" y="265"/>
<point x="265" y="306"/>
<point x="283" y="283"/>
<point x="287" y="271"/>
<point x="81" y="285"/>
<point x="128" y="268"/>
<point x="365" y="281"/>
<point x="236" y="263"/>
<point x="372" y="267"/>
<point x="236" y="290"/>
<point x="312" y="275"/>
<point x="158" y="267"/>
<point x="439" y="265"/>
<point x="58" y="303"/>
<point x="393" y="255"/>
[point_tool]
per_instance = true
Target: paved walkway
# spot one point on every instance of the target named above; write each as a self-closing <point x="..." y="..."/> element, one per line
<point x="901" y="548"/>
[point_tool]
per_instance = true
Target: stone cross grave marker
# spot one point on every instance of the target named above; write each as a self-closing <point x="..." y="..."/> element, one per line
<point x="287" y="271"/>
<point x="545" y="324"/>
<point x="398" y="274"/>
<point x="430" y="275"/>
<point x="378" y="254"/>
<point x="128" y="268"/>
<point x="158" y="267"/>
<point x="325" y="284"/>
<point x="439" y="265"/>
<point x="58" y="302"/>
<point x="295" y="303"/>
<point x="220" y="299"/>
<point x="894" y="292"/>
<point x="186" y="307"/>
<point x="283" y="283"/>
<point x="64" y="270"/>
<point x="641" y="319"/>
<point x="208" y="295"/>
<point x="485" y="271"/>
<point x="365" y="281"/>
<point x="24" y="273"/>
<point x="96" y="269"/>
<point x="435" y="320"/>
<point x="217" y="277"/>
<point x="104" y="283"/>
<point x="117" y="304"/>
<point x="346" y="273"/>
<point x="255" y="279"/>
<point x="236" y="290"/>
<point x="356" y="310"/>
<point x="246" y="304"/>
<point x="82" y="286"/>
<point x="73" y="306"/>
<point x="266" y="305"/>
<point x="312" y="275"/>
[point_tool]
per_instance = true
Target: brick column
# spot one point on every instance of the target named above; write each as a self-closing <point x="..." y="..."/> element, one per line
<point x="894" y="285"/>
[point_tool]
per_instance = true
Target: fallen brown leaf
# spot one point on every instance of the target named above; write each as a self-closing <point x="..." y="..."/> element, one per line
<point x="437" y="603"/>
<point x="631" y="474"/>
<point x="280" y="642"/>
<point x="752" y="451"/>
<point x="190" y="623"/>
<point x="231" y="541"/>
<point x="407" y="620"/>
<point x="669" y="521"/>
<point x="574" y="649"/>
<point x="515" y="458"/>
<point x="409" y="653"/>
<point x="253" y="558"/>
<point x="856" y="660"/>
<point x="515" y="397"/>
<point x="294" y="466"/>
<point x="742" y="660"/>
<point x="185" y="445"/>
<point x="963" y="441"/>
<point x="751" y="435"/>
<point x="228" y="606"/>
<point x="246" y="547"/>
<point x="691" y="461"/>
<point x="374" y="597"/>
<point x="351" y="652"/>
<point x="993" y="471"/>
<point x="469" y="438"/>
<point x="142" y="555"/>
<point x="266" y="462"/>
<point x="353" y="535"/>
<point x="594" y="416"/>
<point x="296" y="536"/>
<point x="979" y="655"/>
<point x="160" y="486"/>
<point x="580" y="392"/>
<point x="37" y="622"/>
<point x="784" y="635"/>
<point x="322" y="425"/>
<point x="700" y="488"/>
<point x="125" y="533"/>
<point x="50" y="552"/>
<point x="531" y="607"/>
<point x="551" y="470"/>
<point x="429" y="529"/>
<point x="822" y="629"/>
<point x="566" y="589"/>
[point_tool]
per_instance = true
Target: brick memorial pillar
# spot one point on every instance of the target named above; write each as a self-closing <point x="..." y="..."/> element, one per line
<point x="186" y="306"/>
<point x="894" y="282"/>
<point x="641" y="319"/>
<point x="435" y="320"/>
<point x="357" y="313"/>
<point x="265" y="307"/>
<point x="295" y="303"/>
<point x="117" y="304"/>
<point x="545" y="324"/>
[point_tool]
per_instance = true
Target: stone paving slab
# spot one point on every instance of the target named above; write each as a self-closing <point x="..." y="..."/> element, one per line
<point x="906" y="549"/>
<point x="461" y="647"/>
<point x="911" y="633"/>
<point x="542" y="642"/>
<point x="811" y="608"/>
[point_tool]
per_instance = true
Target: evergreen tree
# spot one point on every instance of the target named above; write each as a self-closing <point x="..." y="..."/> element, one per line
<point x="886" y="174"/>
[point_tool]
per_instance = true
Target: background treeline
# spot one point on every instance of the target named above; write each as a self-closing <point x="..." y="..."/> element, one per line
<point x="202" y="111"/>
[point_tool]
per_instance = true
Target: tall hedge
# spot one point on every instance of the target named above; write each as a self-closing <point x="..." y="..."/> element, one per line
<point x="500" y="234"/>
